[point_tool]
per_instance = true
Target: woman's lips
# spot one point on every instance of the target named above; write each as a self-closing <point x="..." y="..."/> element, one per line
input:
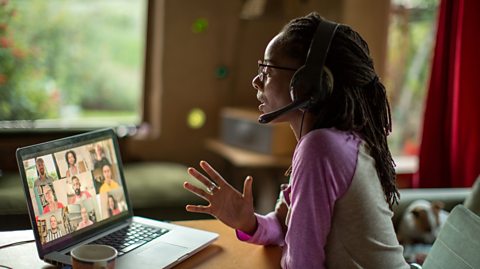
<point x="261" y="106"/>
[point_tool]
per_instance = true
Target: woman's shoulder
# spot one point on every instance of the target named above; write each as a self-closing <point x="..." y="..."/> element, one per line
<point x="329" y="139"/>
<point x="328" y="156"/>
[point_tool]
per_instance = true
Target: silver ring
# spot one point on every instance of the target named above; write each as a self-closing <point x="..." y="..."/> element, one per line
<point x="211" y="188"/>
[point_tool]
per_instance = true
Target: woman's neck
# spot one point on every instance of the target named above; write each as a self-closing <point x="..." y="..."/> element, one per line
<point x="301" y="124"/>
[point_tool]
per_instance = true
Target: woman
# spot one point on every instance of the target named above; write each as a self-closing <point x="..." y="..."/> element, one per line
<point x="52" y="204"/>
<point x="112" y="206"/>
<point x="108" y="182"/>
<point x="71" y="159"/>
<point x="336" y="210"/>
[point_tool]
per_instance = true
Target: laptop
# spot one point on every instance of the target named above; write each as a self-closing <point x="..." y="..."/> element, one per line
<point x="76" y="194"/>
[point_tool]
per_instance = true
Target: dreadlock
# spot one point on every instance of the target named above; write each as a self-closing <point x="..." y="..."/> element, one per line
<point x="358" y="101"/>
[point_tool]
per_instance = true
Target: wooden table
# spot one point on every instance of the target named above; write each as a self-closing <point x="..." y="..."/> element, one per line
<point x="226" y="252"/>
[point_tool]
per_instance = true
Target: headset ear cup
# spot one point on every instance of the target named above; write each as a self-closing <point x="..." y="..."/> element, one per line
<point x="300" y="85"/>
<point x="303" y="88"/>
<point x="324" y="90"/>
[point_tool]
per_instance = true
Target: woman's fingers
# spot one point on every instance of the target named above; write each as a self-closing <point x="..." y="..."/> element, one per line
<point x="197" y="191"/>
<point x="214" y="175"/>
<point x="198" y="209"/>
<point x="200" y="177"/>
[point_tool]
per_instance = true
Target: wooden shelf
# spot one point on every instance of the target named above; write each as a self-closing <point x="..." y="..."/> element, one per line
<point x="246" y="158"/>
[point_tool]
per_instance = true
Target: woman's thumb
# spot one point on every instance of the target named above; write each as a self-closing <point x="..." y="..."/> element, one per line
<point x="247" y="188"/>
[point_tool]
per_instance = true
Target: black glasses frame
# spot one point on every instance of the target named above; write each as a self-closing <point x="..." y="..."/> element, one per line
<point x="262" y="66"/>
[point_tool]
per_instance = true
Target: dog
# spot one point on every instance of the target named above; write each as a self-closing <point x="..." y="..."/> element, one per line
<point x="421" y="222"/>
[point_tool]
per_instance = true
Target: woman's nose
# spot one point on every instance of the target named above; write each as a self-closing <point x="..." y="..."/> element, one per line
<point x="257" y="83"/>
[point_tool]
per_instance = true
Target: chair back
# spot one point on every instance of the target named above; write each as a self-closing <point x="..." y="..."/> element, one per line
<point x="458" y="243"/>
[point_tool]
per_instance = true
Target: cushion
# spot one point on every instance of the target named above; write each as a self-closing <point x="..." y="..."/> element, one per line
<point x="12" y="197"/>
<point x="158" y="184"/>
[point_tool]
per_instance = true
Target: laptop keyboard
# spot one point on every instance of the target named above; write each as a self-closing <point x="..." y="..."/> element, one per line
<point x="130" y="237"/>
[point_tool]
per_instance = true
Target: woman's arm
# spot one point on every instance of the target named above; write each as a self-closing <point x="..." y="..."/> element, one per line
<point x="234" y="208"/>
<point x="323" y="167"/>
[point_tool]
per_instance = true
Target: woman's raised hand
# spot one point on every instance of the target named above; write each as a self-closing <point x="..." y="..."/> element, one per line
<point x="225" y="202"/>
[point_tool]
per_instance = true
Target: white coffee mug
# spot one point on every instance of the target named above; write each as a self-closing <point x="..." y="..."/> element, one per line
<point x="93" y="257"/>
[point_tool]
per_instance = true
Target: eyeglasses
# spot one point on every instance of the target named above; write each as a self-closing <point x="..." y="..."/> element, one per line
<point x="262" y="67"/>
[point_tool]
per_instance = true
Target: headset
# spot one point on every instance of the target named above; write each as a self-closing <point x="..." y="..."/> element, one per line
<point x="310" y="84"/>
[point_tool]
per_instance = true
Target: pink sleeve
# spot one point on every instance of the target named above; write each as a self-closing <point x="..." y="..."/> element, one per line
<point x="322" y="172"/>
<point x="269" y="231"/>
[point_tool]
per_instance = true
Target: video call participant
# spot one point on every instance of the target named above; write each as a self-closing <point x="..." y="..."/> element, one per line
<point x="100" y="159"/>
<point x="85" y="220"/>
<point x="108" y="183"/>
<point x="43" y="177"/>
<point x="52" y="204"/>
<point x="112" y="206"/>
<point x="79" y="194"/>
<point x="73" y="168"/>
<point x="54" y="232"/>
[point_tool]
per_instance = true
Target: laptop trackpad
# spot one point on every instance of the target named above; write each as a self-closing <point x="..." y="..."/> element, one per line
<point x="162" y="253"/>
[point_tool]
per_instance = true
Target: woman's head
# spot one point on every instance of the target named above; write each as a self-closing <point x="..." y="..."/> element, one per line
<point x="347" y="59"/>
<point x="273" y="79"/>
<point x="107" y="172"/>
<point x="112" y="203"/>
<point x="357" y="102"/>
<point x="70" y="157"/>
<point x="48" y="193"/>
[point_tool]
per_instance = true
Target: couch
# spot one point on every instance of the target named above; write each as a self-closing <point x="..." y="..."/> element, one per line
<point x="155" y="190"/>
<point x="449" y="196"/>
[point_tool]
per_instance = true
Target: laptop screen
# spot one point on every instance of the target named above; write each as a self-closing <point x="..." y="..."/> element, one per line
<point x="74" y="185"/>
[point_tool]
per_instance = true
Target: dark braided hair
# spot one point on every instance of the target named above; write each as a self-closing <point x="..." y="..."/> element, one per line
<point x="358" y="101"/>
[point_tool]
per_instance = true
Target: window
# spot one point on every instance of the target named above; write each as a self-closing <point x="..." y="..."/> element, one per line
<point x="410" y="46"/>
<point x="68" y="64"/>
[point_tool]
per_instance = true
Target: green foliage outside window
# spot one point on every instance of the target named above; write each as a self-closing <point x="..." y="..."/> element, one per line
<point x="20" y="81"/>
<point x="80" y="59"/>
<point x="410" y="50"/>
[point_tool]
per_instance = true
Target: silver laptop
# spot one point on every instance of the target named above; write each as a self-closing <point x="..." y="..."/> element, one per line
<point x="76" y="194"/>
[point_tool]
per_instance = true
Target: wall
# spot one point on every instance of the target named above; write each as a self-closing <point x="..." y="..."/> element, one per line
<point x="183" y="64"/>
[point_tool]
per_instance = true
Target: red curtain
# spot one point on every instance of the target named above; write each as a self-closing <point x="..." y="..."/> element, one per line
<point x="450" y="149"/>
